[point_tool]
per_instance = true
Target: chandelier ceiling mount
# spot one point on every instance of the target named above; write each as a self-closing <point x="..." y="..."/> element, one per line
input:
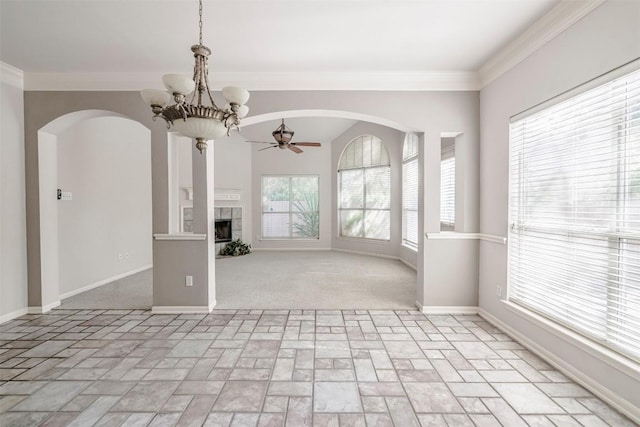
<point x="199" y="117"/>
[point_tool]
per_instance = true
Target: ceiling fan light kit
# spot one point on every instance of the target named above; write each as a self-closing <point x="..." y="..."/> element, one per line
<point x="199" y="117"/>
<point x="283" y="136"/>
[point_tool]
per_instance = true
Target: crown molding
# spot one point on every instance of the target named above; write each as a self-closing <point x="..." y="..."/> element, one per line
<point x="400" y="81"/>
<point x="11" y="75"/>
<point x="561" y="17"/>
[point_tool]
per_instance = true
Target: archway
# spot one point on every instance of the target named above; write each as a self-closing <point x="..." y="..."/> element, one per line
<point x="79" y="235"/>
<point x="305" y="164"/>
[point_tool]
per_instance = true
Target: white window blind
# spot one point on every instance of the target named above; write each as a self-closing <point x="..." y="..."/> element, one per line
<point x="410" y="192"/>
<point x="448" y="189"/>
<point x="364" y="180"/>
<point x="574" y="251"/>
<point x="290" y="208"/>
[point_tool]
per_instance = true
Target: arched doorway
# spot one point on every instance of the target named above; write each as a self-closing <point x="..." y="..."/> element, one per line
<point x="95" y="206"/>
<point x="280" y="255"/>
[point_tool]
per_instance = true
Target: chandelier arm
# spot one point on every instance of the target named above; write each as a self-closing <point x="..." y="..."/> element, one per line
<point x="206" y="82"/>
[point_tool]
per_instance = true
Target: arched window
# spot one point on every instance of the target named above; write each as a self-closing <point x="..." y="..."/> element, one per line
<point x="410" y="192"/>
<point x="364" y="186"/>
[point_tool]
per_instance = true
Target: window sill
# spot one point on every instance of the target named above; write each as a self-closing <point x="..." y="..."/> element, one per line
<point x="180" y="236"/>
<point x="453" y="235"/>
<point x="610" y="357"/>
<point x="410" y="247"/>
<point x="364" y="240"/>
<point x="284" y="239"/>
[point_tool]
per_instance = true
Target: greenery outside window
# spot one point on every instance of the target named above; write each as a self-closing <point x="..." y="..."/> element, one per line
<point x="290" y="207"/>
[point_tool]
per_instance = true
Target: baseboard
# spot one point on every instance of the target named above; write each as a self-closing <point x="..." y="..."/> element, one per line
<point x="449" y="309"/>
<point x="408" y="264"/>
<point x="348" y="251"/>
<point x="187" y="309"/>
<point x="289" y="249"/>
<point x="43" y="309"/>
<point x="13" y="315"/>
<point x="104" y="282"/>
<point x="418" y="305"/>
<point x="566" y="368"/>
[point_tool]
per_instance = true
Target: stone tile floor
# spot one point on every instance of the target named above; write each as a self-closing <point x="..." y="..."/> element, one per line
<point x="279" y="367"/>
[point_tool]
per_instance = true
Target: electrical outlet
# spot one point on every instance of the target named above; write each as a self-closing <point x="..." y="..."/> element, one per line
<point x="126" y="255"/>
<point x="67" y="195"/>
<point x="499" y="291"/>
<point x="188" y="280"/>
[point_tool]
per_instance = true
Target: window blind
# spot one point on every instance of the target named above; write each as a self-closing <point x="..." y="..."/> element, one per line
<point x="574" y="245"/>
<point x="448" y="189"/>
<point x="410" y="191"/>
<point x="364" y="179"/>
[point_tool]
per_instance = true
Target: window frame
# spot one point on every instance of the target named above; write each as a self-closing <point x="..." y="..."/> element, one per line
<point x="613" y="240"/>
<point x="364" y="207"/>
<point x="290" y="212"/>
<point x="410" y="158"/>
<point x="448" y="155"/>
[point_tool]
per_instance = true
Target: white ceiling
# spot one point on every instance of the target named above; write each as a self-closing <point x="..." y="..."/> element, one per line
<point x="267" y="36"/>
<point x="309" y="129"/>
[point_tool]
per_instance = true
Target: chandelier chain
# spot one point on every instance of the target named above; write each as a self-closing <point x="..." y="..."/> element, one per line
<point x="200" y="19"/>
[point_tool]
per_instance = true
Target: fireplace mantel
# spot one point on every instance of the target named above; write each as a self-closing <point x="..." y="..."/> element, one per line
<point x="226" y="194"/>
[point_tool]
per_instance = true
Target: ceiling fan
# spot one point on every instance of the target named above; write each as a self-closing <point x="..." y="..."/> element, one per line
<point x="283" y="136"/>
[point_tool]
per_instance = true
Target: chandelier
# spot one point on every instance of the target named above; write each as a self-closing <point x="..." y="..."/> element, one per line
<point x="199" y="117"/>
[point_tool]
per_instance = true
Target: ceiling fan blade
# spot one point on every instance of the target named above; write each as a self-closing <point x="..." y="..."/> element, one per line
<point x="262" y="149"/>
<point x="307" y="144"/>
<point x="295" y="149"/>
<point x="262" y="142"/>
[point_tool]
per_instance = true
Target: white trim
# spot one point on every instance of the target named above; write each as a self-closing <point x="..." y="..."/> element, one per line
<point x="561" y="17"/>
<point x="42" y="310"/>
<point x="610" y="357"/>
<point x="104" y="282"/>
<point x="11" y="75"/>
<point x="501" y="240"/>
<point x="408" y="264"/>
<point x="453" y="235"/>
<point x="365" y="239"/>
<point x="446" y="309"/>
<point x="366" y="253"/>
<point x="565" y="367"/>
<point x="289" y="249"/>
<point x="404" y="81"/>
<point x="186" y="309"/>
<point x="180" y="236"/>
<point x="13" y="315"/>
<point x="293" y="239"/>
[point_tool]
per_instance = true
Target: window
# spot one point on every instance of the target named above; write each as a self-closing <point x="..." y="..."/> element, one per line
<point x="410" y="177"/>
<point x="290" y="208"/>
<point x="364" y="182"/>
<point x="448" y="185"/>
<point x="574" y="251"/>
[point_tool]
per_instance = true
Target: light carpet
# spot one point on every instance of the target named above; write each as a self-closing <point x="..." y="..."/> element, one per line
<point x="280" y="279"/>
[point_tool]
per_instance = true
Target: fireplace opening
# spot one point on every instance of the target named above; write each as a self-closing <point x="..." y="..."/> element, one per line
<point x="223" y="230"/>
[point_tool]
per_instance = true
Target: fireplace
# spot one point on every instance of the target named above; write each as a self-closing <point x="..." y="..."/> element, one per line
<point x="223" y="230"/>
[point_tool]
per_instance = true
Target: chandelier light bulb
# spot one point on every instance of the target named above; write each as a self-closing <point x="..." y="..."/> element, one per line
<point x="195" y="114"/>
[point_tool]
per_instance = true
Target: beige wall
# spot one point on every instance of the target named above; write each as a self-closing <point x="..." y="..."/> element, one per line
<point x="428" y="112"/>
<point x="606" y="38"/>
<point x="105" y="230"/>
<point x="13" y="237"/>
